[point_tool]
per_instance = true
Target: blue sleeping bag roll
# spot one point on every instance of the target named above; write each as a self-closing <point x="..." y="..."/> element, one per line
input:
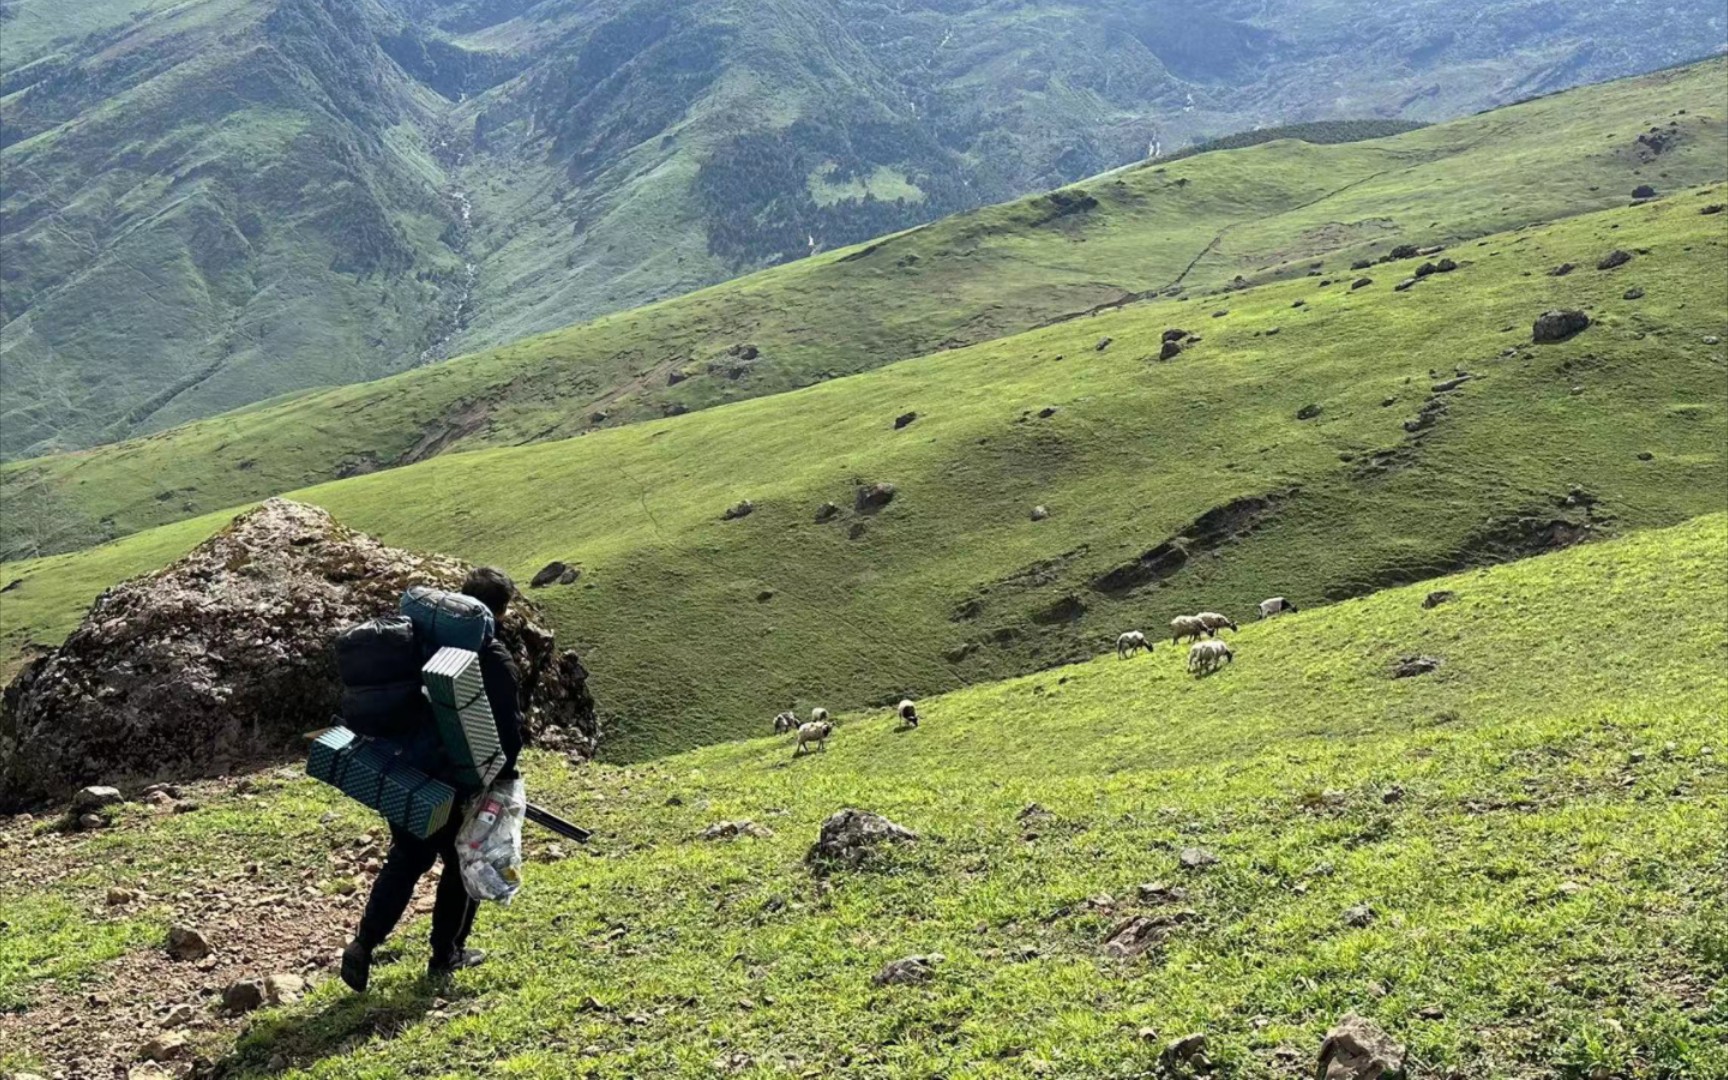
<point x="447" y="620"/>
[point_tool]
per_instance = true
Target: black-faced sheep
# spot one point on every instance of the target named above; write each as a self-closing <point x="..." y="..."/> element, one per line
<point x="1186" y="626"/>
<point x="1205" y="656"/>
<point x="1275" y="606"/>
<point x="1130" y="643"/>
<point x="907" y="712"/>
<point x="785" y="722"/>
<point x="813" y="732"/>
<point x="1215" y="622"/>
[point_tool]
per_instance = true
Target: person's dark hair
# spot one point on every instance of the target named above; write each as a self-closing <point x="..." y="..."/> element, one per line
<point x="491" y="586"/>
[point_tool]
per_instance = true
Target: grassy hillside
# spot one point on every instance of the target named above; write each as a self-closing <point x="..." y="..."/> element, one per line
<point x="1202" y="482"/>
<point x="1535" y="829"/>
<point x="1262" y="213"/>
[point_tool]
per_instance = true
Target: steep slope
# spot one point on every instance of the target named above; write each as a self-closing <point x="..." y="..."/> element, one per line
<point x="219" y="201"/>
<point x="1268" y="212"/>
<point x="1318" y="443"/>
<point x="1513" y="864"/>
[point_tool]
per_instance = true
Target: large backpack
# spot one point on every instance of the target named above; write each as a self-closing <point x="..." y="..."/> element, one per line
<point x="379" y="663"/>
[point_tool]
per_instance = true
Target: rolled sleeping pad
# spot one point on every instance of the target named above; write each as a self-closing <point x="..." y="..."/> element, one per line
<point x="377" y="773"/>
<point x="379" y="652"/>
<point x="446" y="620"/>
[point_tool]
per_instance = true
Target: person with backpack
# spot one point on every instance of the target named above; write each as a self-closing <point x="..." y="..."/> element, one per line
<point x="410" y="857"/>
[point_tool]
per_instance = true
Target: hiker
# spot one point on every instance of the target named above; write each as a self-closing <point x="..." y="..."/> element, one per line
<point x="410" y="857"/>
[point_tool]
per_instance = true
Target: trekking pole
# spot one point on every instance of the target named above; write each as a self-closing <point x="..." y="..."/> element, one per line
<point x="546" y="819"/>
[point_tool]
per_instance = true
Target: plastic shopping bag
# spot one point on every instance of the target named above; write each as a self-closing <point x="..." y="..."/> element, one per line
<point x="489" y="845"/>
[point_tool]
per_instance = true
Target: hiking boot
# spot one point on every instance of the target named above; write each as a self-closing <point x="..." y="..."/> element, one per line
<point x="357" y="966"/>
<point x="466" y="958"/>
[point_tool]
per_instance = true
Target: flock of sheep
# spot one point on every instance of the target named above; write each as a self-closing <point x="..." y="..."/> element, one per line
<point x="1204" y="657"/>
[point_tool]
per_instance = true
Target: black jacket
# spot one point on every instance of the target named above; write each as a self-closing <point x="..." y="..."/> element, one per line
<point x="503" y="693"/>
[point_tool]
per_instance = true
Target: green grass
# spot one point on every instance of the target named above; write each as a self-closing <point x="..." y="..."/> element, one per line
<point x="1267" y="212"/>
<point x="954" y="584"/>
<point x="1550" y="879"/>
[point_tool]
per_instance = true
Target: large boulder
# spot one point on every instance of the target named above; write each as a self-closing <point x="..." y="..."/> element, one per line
<point x="224" y="660"/>
<point x="849" y="836"/>
<point x="1357" y="1049"/>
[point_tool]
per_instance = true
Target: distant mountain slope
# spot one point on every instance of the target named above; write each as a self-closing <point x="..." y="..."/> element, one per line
<point x="1320" y="441"/>
<point x="1271" y="211"/>
<point x="213" y="202"/>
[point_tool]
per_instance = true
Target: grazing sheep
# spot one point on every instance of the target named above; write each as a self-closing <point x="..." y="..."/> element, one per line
<point x="1275" y="606"/>
<point x="907" y="712"/>
<point x="1215" y="622"/>
<point x="1186" y="626"/>
<point x="786" y="721"/>
<point x="819" y="715"/>
<point x="813" y="732"/>
<point x="1130" y="643"/>
<point x="1205" y="656"/>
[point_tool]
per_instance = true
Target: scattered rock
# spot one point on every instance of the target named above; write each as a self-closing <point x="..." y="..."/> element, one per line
<point x="1614" y="258"/>
<point x="1643" y="191"/>
<point x="1445" y="266"/>
<point x="1039" y="513"/>
<point x="1438" y="597"/>
<point x="1393" y="794"/>
<point x="1220" y="314"/>
<point x="185" y="943"/>
<point x="1174" y="334"/>
<point x="243" y="996"/>
<point x="284" y="989"/>
<point x="1361" y="264"/>
<point x="1431" y="1012"/>
<point x="1197" y="858"/>
<point x="1562" y="270"/>
<point x="1711" y="339"/>
<point x="1361" y="283"/>
<point x="1558" y="325"/>
<point x="1427" y="269"/>
<point x="120" y="897"/>
<point x="168" y="1046"/>
<point x="1298" y="303"/>
<point x="96" y="798"/>
<point x="739" y="510"/>
<point x="731" y="830"/>
<point x="1188" y="1052"/>
<point x="1157" y="892"/>
<point x="1452" y="384"/>
<point x="91" y="822"/>
<point x="1170" y="350"/>
<point x="857" y="530"/>
<point x="904" y="419"/>
<point x="827" y="512"/>
<point x="744" y="352"/>
<point x="1357" y="1049"/>
<point x="873" y="497"/>
<point x="1409" y="666"/>
<point x="848" y="837"/>
<point x="179" y="1016"/>
<point x="1033" y="812"/>
<point x="555" y="573"/>
<point x="1103" y="343"/>
<point x="244" y="622"/>
<point x="1359" y="916"/>
<point x="1403" y="251"/>
<point x="1405" y="286"/>
<point x="1645" y="455"/>
<point x="1633" y="293"/>
<point x="1308" y="412"/>
<point x="1713" y="208"/>
<point x="908" y="970"/>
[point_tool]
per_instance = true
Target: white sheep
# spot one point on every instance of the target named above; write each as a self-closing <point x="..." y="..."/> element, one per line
<point x="1215" y="622"/>
<point x="786" y="721"/>
<point x="1205" y="656"/>
<point x="1186" y="626"/>
<point x="819" y="715"/>
<point x="813" y="732"/>
<point x="1275" y="606"/>
<point x="907" y="712"/>
<point x="1130" y="643"/>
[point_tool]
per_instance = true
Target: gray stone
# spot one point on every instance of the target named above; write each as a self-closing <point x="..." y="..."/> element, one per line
<point x="908" y="970"/>
<point x="1613" y="259"/>
<point x="96" y="797"/>
<point x="1186" y="1053"/>
<point x="738" y="510"/>
<point x="1197" y="858"/>
<point x="1357" y="1049"/>
<point x="185" y="943"/>
<point x="168" y="1046"/>
<point x="1409" y="666"/>
<point x="243" y="996"/>
<point x="849" y="836"/>
<point x="1558" y="325"/>
<point x="1438" y="597"/>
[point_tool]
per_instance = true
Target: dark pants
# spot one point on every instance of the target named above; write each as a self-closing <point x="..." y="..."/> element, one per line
<point x="408" y="861"/>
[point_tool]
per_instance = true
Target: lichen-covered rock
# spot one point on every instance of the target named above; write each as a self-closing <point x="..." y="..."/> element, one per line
<point x="224" y="660"/>
<point x="848" y="837"/>
<point x="1357" y="1049"/>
